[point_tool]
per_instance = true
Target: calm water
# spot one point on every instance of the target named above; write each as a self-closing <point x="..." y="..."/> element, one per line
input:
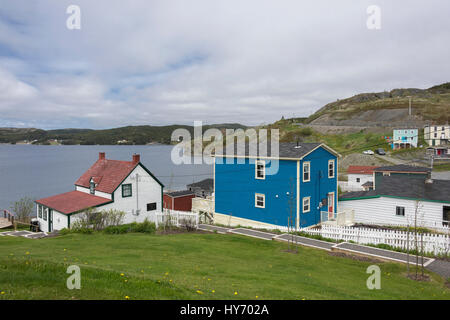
<point x="42" y="171"/>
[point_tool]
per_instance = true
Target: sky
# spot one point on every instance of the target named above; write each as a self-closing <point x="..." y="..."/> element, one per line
<point x="177" y="61"/>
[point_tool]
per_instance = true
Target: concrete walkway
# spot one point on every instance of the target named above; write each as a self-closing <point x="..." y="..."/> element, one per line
<point x="440" y="267"/>
<point x="25" y="234"/>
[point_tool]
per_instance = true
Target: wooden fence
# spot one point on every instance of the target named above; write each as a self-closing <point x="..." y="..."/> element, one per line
<point x="438" y="244"/>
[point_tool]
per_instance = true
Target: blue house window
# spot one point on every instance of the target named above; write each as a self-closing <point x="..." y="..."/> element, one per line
<point x="260" y="169"/>
<point x="260" y="200"/>
<point x="330" y="168"/>
<point x="306" y="204"/>
<point x="306" y="171"/>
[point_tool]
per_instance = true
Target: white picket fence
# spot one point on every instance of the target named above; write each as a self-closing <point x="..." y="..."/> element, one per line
<point x="432" y="243"/>
<point x="175" y="218"/>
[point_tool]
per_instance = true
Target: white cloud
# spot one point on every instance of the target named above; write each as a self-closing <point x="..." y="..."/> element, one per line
<point x="163" y="62"/>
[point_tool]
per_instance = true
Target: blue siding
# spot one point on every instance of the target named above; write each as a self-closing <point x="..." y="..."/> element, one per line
<point x="319" y="186"/>
<point x="235" y="188"/>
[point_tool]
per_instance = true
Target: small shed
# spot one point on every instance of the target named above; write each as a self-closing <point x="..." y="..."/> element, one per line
<point x="178" y="200"/>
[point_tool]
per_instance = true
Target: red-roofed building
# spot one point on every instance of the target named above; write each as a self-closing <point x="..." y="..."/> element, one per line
<point x="109" y="184"/>
<point x="358" y="176"/>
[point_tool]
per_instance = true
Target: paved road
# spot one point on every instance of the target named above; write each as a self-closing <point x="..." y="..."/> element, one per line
<point x="253" y="233"/>
<point x="319" y="244"/>
<point x="381" y="253"/>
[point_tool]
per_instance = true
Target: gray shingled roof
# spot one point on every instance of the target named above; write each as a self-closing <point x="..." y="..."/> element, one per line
<point x="403" y="168"/>
<point x="181" y="193"/>
<point x="286" y="150"/>
<point x="405" y="187"/>
<point x="206" y="184"/>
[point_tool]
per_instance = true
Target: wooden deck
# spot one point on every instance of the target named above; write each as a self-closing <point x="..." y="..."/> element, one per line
<point x="4" y="223"/>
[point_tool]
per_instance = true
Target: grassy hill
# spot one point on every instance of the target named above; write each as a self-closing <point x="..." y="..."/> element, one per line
<point x="193" y="266"/>
<point x="140" y="135"/>
<point x="389" y="108"/>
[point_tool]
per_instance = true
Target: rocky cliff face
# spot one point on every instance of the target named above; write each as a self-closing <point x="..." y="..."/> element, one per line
<point x="388" y="109"/>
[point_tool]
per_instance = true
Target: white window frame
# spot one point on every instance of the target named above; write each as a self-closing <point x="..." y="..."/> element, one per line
<point x="259" y="162"/>
<point x="334" y="168"/>
<point x="263" y="199"/>
<point x="303" y="204"/>
<point x="306" y="163"/>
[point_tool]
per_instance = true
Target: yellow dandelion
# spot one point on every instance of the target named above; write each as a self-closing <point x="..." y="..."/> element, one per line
<point x="209" y="279"/>
<point x="126" y="280"/>
<point x="27" y="252"/>
<point x="3" y="292"/>
<point x="256" y="297"/>
<point x="235" y="293"/>
<point x="122" y="274"/>
<point x="199" y="292"/>
<point x="213" y="291"/>
<point x="170" y="280"/>
<point x="127" y="297"/>
<point x="65" y="249"/>
<point x="142" y="271"/>
<point x="166" y="273"/>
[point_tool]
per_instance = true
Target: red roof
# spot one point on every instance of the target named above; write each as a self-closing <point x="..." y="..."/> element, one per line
<point x="73" y="201"/>
<point x="361" y="169"/>
<point x="107" y="174"/>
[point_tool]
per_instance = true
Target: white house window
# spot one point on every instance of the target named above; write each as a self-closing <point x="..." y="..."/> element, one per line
<point x="260" y="169"/>
<point x="45" y="214"/>
<point x="358" y="179"/>
<point x="330" y="168"/>
<point x="40" y="208"/>
<point x="306" y="171"/>
<point x="260" y="200"/>
<point x="400" y="211"/>
<point x="92" y="187"/>
<point x="306" y="204"/>
<point x="386" y="174"/>
<point x="151" y="206"/>
<point x="126" y="190"/>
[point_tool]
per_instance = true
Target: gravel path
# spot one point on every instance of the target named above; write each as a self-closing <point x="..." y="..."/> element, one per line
<point x="208" y="227"/>
<point x="253" y="233"/>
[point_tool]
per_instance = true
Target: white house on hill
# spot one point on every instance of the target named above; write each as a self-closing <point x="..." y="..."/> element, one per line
<point x="109" y="184"/>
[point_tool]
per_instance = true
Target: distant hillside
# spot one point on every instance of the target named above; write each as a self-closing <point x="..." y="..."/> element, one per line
<point x="139" y="135"/>
<point x="388" y="109"/>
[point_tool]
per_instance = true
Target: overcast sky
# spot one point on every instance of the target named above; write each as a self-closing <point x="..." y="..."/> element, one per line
<point x="162" y="62"/>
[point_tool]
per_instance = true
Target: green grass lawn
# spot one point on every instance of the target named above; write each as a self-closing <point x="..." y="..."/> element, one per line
<point x="193" y="266"/>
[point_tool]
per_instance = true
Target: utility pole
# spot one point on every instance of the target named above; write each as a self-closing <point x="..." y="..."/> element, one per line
<point x="410" y="105"/>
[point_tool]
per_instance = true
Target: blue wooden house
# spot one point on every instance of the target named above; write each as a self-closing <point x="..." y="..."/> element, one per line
<point x="248" y="192"/>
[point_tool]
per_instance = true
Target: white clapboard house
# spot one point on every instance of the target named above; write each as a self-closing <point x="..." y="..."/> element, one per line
<point x="109" y="184"/>
<point x="395" y="200"/>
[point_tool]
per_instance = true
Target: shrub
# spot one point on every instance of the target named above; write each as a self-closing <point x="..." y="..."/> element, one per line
<point x="143" y="227"/>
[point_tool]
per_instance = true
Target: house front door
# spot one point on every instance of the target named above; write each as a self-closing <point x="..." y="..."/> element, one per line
<point x="50" y="220"/>
<point x="331" y="202"/>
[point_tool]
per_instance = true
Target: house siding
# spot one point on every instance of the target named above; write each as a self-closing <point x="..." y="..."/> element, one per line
<point x="381" y="211"/>
<point x="236" y="185"/>
<point x="319" y="185"/>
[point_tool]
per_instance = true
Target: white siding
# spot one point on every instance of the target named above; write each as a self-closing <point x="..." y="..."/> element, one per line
<point x="149" y="190"/>
<point x="354" y="185"/>
<point x="97" y="193"/>
<point x="381" y="211"/>
<point x="60" y="220"/>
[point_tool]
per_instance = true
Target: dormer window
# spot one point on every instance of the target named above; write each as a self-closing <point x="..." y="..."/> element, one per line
<point x="92" y="186"/>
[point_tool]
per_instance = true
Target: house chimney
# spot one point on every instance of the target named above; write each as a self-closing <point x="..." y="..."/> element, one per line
<point x="136" y="158"/>
<point x="101" y="156"/>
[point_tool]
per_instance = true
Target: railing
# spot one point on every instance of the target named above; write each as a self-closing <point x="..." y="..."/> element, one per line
<point x="343" y="218"/>
<point x="8" y="215"/>
<point x="175" y="218"/>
